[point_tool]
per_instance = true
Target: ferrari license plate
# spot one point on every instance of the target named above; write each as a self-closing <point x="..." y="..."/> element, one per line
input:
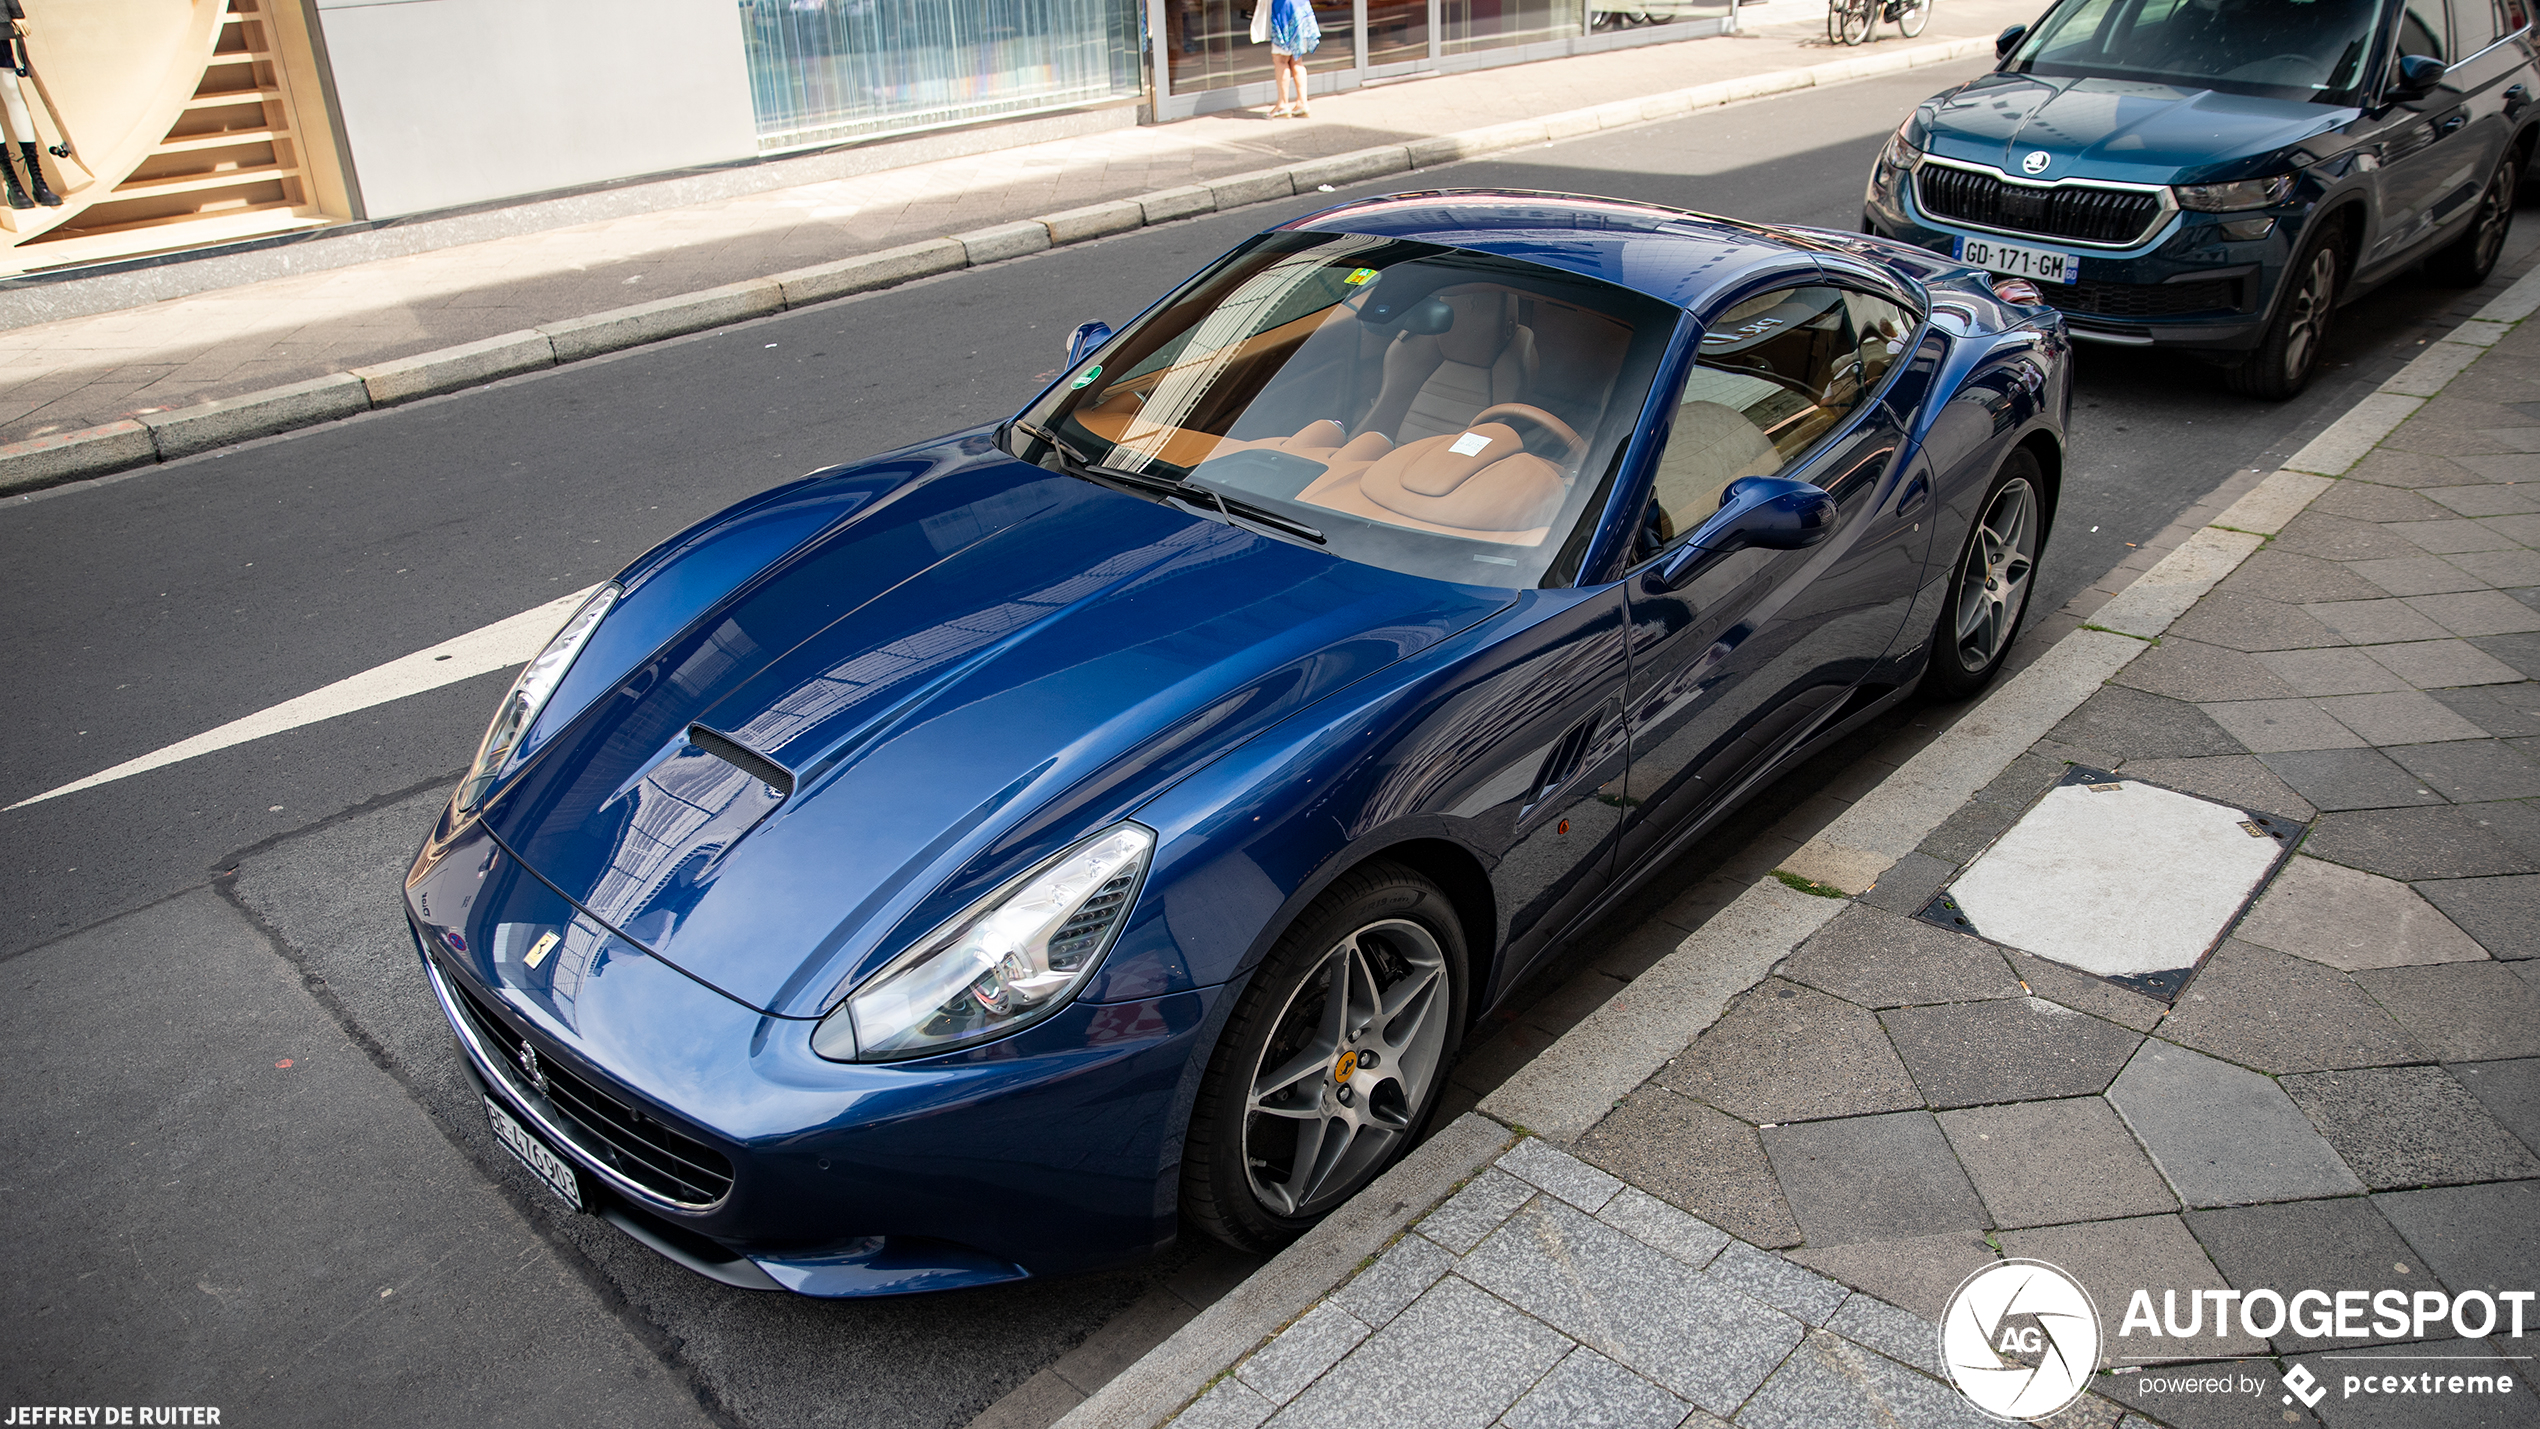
<point x="2042" y="264"/>
<point x="544" y="1164"/>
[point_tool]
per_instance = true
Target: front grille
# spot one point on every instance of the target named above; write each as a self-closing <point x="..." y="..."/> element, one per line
<point x="2144" y="300"/>
<point x="635" y="1145"/>
<point x="2074" y="211"/>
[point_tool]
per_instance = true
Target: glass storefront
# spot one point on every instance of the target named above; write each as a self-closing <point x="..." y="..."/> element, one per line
<point x="822" y="71"/>
<point x="1487" y="24"/>
<point x="1207" y="44"/>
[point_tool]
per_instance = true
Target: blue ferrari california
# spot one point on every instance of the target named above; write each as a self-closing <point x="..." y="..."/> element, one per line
<point x="997" y="857"/>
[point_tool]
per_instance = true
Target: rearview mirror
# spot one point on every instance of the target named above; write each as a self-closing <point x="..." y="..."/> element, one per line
<point x="1771" y="513"/>
<point x="1087" y="337"/>
<point x="2008" y="41"/>
<point x="2418" y="75"/>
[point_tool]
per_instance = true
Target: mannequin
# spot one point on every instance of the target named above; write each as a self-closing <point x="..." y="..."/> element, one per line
<point x="21" y="125"/>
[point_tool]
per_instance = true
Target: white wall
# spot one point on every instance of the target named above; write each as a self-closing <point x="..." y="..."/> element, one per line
<point x="450" y="102"/>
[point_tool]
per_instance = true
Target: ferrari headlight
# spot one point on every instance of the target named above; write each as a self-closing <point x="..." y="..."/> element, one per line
<point x="2236" y="196"/>
<point x="1006" y="962"/>
<point x="529" y="694"/>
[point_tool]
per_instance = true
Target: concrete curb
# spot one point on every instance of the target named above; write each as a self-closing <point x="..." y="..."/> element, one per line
<point x="102" y="451"/>
<point x="1570" y="1085"/>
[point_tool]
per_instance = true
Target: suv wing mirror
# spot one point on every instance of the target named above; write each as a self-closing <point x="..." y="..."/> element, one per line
<point x="2008" y="41"/>
<point x="2418" y="75"/>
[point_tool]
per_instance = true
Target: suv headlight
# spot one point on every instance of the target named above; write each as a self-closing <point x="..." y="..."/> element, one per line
<point x="1007" y="961"/>
<point x="1900" y="154"/>
<point x="2235" y="196"/>
<point x="529" y="694"/>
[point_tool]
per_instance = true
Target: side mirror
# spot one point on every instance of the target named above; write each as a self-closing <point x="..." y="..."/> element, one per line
<point x="2008" y="41"/>
<point x="1082" y="342"/>
<point x="1771" y="513"/>
<point x="2418" y="76"/>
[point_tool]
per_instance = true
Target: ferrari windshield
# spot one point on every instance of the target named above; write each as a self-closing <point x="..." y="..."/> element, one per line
<point x="1407" y="405"/>
<point x="2283" y="49"/>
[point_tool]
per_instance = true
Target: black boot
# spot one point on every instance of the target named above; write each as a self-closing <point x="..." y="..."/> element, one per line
<point x="17" y="196"/>
<point x="35" y="178"/>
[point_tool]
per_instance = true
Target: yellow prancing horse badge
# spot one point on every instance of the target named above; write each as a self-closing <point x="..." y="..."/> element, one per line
<point x="1347" y="1064"/>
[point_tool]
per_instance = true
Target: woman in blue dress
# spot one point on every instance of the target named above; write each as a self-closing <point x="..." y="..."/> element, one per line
<point x="1293" y="34"/>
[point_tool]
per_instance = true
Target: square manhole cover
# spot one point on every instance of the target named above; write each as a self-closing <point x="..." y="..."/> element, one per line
<point x="2117" y="877"/>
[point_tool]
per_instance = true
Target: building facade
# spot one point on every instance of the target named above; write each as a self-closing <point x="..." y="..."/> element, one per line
<point x="248" y="120"/>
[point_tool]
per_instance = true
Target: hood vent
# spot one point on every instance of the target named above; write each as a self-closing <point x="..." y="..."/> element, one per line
<point x="740" y="756"/>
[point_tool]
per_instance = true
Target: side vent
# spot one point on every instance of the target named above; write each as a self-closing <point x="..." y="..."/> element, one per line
<point x="740" y="756"/>
<point x="1569" y="754"/>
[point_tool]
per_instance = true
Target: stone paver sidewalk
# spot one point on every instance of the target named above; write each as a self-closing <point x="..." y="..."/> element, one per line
<point x="2345" y="1094"/>
<point x="76" y="372"/>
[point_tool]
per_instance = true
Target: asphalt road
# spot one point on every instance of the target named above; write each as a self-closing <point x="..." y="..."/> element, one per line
<point x="336" y="1239"/>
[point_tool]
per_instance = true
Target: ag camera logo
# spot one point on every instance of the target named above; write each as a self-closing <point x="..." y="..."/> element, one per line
<point x="2021" y="1339"/>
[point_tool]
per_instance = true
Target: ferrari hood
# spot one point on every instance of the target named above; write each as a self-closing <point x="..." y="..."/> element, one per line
<point x="983" y="665"/>
<point x="2118" y="129"/>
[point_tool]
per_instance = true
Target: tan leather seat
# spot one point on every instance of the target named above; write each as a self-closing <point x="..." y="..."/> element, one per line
<point x="1435" y="383"/>
<point x="1493" y="491"/>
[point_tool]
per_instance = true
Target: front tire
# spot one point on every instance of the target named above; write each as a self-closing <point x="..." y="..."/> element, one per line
<point x="2466" y="261"/>
<point x="1989" y="586"/>
<point x="1333" y="1061"/>
<point x="2282" y="364"/>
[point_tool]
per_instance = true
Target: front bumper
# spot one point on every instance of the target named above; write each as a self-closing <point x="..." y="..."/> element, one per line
<point x="2188" y="285"/>
<point x="712" y="1133"/>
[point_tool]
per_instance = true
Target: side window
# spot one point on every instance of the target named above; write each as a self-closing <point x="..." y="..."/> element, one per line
<point x="2421" y="30"/>
<point x="2474" y="25"/>
<point x="1775" y="375"/>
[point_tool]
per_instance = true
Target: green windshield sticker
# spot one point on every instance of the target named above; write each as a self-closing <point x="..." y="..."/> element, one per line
<point x="1087" y="380"/>
<point x="1359" y="275"/>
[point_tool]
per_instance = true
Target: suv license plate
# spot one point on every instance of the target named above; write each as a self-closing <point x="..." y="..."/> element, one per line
<point x="546" y="1165"/>
<point x="2043" y="264"/>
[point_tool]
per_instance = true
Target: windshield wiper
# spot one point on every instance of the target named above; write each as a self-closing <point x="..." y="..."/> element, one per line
<point x="1199" y="498"/>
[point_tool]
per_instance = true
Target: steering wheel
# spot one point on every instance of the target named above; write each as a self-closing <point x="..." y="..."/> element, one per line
<point x="1542" y="420"/>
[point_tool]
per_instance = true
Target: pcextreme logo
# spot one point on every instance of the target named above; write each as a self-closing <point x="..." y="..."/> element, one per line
<point x="2021" y="1339"/>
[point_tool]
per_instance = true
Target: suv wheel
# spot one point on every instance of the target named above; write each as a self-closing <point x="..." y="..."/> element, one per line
<point x="2466" y="261"/>
<point x="2285" y="358"/>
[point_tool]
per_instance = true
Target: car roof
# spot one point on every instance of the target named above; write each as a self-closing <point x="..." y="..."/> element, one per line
<point x="1674" y="255"/>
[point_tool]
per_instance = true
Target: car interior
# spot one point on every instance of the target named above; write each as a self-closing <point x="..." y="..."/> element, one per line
<point x="1417" y="401"/>
<point x="1776" y="373"/>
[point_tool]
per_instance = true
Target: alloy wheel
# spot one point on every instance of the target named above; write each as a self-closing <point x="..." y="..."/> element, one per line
<point x="2311" y="305"/>
<point x="2495" y="216"/>
<point x="1993" y="586"/>
<point x="1348" y="1067"/>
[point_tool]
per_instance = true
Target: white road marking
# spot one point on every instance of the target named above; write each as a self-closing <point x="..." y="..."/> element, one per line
<point x="503" y="644"/>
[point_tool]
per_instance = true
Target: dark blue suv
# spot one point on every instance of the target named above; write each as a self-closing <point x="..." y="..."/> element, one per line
<point x="2224" y="174"/>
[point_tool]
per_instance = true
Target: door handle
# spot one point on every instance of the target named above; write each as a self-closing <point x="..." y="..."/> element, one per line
<point x="1917" y="495"/>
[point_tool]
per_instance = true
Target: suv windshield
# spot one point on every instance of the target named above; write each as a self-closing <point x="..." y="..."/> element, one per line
<point x="1407" y="405"/>
<point x="2282" y="49"/>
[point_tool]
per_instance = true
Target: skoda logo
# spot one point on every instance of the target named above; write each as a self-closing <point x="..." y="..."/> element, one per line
<point x="2021" y="1339"/>
<point x="2036" y="162"/>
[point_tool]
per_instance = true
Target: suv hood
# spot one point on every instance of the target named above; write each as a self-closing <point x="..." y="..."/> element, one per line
<point x="975" y="669"/>
<point x="2119" y="129"/>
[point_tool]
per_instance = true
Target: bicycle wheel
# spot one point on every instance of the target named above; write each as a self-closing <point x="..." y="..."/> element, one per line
<point x="1912" y="16"/>
<point x="1851" y="21"/>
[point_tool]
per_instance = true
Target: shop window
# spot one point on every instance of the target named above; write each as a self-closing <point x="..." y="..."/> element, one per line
<point x="822" y="71"/>
<point x="1488" y="24"/>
